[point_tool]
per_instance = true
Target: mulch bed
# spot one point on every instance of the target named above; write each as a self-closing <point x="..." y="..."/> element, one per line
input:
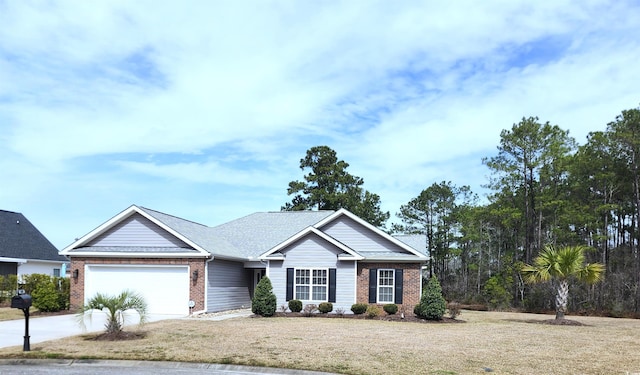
<point x="554" y="322"/>
<point x="118" y="336"/>
<point x="385" y="317"/>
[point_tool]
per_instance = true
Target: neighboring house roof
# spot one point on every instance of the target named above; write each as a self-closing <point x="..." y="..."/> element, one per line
<point x="256" y="236"/>
<point x="22" y="240"/>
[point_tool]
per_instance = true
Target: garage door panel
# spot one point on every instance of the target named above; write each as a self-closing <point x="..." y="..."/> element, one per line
<point x="165" y="288"/>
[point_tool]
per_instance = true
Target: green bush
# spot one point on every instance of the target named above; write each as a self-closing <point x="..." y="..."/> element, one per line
<point x="390" y="308"/>
<point x="295" y="305"/>
<point x="416" y="310"/>
<point x="359" y="308"/>
<point x="373" y="311"/>
<point x="264" y="302"/>
<point x="48" y="293"/>
<point x="432" y="303"/>
<point x="45" y="297"/>
<point x="8" y="286"/>
<point x="325" y="307"/>
<point x="496" y="294"/>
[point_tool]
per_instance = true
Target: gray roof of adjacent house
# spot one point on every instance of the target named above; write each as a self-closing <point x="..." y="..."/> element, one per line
<point x="21" y="239"/>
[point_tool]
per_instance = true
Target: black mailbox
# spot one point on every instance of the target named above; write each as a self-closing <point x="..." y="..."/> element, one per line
<point x="21" y="301"/>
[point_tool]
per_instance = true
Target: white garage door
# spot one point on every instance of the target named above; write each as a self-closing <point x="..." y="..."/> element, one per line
<point x="165" y="288"/>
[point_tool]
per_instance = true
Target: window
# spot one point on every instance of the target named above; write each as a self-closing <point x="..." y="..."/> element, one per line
<point x="56" y="272"/>
<point x="386" y="286"/>
<point x="311" y="284"/>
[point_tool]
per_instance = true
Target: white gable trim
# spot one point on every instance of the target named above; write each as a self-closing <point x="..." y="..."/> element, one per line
<point x="353" y="255"/>
<point x="117" y="219"/>
<point x="372" y="228"/>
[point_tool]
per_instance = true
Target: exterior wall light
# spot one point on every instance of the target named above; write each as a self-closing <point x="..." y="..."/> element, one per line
<point x="194" y="275"/>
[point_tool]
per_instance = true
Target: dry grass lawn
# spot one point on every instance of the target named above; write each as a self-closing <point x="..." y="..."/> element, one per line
<point x="506" y="343"/>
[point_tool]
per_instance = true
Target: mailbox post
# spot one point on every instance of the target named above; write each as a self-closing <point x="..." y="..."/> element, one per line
<point x="23" y="302"/>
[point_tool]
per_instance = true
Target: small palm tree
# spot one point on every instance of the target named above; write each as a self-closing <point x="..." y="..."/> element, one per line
<point x="115" y="307"/>
<point x="562" y="265"/>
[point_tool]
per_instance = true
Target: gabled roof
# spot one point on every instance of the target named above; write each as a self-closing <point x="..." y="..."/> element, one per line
<point x="352" y="216"/>
<point x="175" y="226"/>
<point x="312" y="230"/>
<point x="257" y="236"/>
<point x="22" y="240"/>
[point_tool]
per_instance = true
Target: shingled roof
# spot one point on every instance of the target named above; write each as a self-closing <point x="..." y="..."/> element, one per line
<point x="21" y="239"/>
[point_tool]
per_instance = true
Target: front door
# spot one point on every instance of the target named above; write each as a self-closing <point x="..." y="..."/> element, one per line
<point x="257" y="276"/>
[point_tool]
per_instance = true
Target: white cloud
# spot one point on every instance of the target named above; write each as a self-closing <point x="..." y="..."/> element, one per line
<point x="99" y="101"/>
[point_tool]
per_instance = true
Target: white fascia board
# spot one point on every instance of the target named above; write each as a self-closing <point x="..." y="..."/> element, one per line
<point x="118" y="218"/>
<point x="12" y="260"/>
<point x="317" y="232"/>
<point x="99" y="230"/>
<point x="372" y="228"/>
<point x="94" y="254"/>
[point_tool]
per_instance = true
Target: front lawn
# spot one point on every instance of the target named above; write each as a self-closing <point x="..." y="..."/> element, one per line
<point x="501" y="343"/>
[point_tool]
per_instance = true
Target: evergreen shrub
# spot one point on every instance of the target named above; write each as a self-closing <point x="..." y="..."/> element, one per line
<point x="264" y="301"/>
<point x="295" y="305"/>
<point x="359" y="308"/>
<point x="325" y="307"/>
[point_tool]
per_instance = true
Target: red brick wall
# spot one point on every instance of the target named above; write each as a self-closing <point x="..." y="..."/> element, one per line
<point x="411" y="283"/>
<point x="196" y="288"/>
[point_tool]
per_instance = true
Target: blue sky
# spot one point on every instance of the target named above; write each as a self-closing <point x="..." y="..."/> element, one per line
<point x="203" y="109"/>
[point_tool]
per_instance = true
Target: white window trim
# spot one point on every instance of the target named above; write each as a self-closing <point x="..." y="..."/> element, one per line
<point x="392" y="286"/>
<point x="311" y="284"/>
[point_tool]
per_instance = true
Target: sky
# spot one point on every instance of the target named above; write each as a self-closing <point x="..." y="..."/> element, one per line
<point x="203" y="109"/>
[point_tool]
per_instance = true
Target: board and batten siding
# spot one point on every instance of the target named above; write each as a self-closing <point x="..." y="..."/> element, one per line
<point x="137" y="231"/>
<point x="357" y="237"/>
<point x="227" y="286"/>
<point x="312" y="251"/>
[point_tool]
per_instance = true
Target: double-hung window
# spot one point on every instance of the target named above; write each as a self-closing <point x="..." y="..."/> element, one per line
<point x="386" y="286"/>
<point x="311" y="284"/>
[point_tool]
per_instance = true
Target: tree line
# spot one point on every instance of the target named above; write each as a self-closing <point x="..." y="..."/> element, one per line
<point x="546" y="190"/>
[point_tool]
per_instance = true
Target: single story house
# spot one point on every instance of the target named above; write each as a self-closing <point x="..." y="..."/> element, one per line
<point x="24" y="250"/>
<point x="183" y="267"/>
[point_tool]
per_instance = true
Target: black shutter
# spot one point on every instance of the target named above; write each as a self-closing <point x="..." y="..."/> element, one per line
<point x="373" y="285"/>
<point x="289" y="284"/>
<point x="332" y="284"/>
<point x="398" y="286"/>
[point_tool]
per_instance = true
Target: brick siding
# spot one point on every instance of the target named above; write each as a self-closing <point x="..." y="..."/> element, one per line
<point x="411" y="283"/>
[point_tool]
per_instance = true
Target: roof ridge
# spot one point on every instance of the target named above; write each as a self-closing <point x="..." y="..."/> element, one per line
<point x="173" y="216"/>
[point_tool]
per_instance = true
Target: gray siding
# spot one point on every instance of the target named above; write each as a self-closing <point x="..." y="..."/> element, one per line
<point x="358" y="237"/>
<point x="227" y="286"/>
<point x="137" y="231"/>
<point x="314" y="252"/>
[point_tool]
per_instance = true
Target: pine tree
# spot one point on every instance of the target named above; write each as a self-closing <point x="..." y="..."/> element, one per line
<point x="432" y="304"/>
<point x="264" y="301"/>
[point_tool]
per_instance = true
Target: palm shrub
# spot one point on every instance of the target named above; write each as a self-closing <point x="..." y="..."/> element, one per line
<point x="295" y="305"/>
<point x="115" y="308"/>
<point x="432" y="304"/>
<point x="264" y="302"/>
<point x="562" y="265"/>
